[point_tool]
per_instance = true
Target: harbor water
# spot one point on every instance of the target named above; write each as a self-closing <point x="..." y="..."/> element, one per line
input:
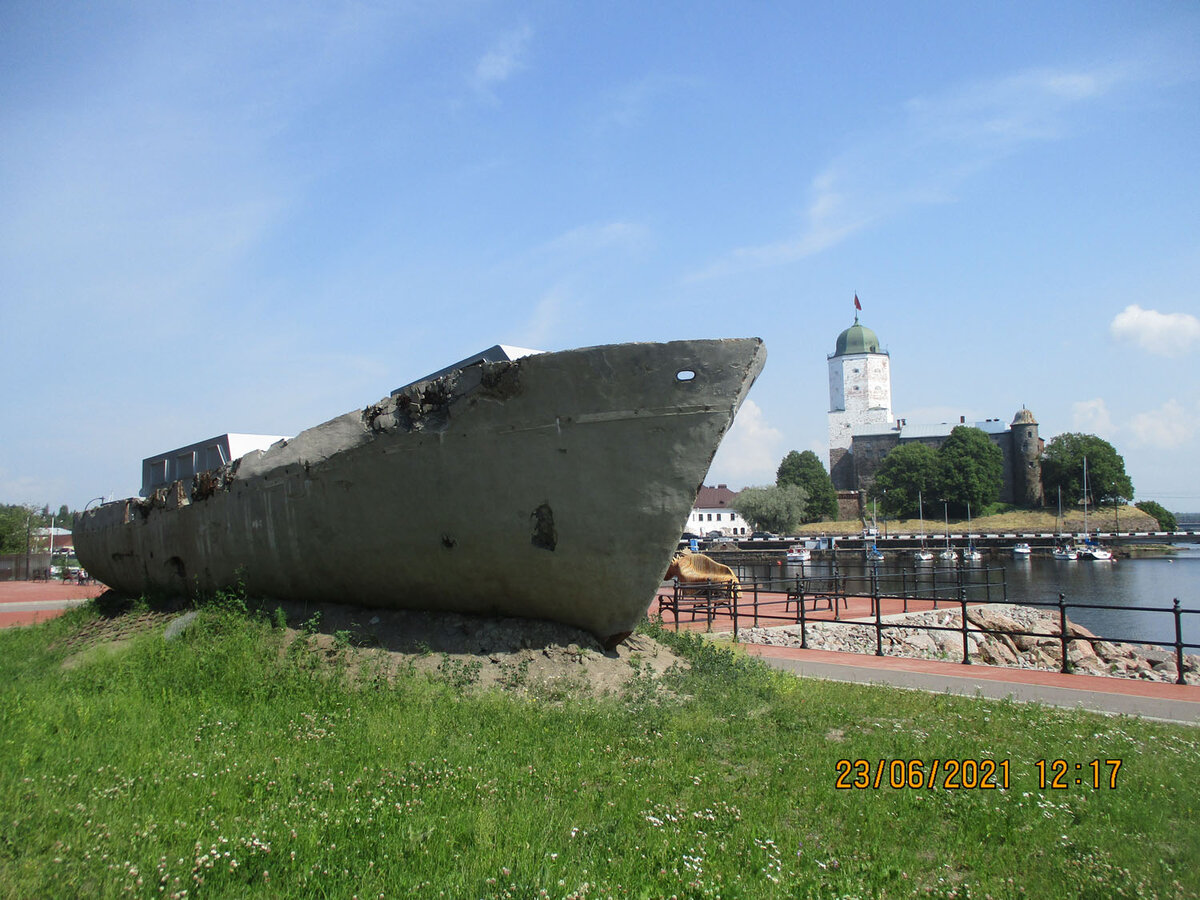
<point x="1127" y="592"/>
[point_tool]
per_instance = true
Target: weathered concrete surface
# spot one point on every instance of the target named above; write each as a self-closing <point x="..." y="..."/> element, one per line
<point x="552" y="487"/>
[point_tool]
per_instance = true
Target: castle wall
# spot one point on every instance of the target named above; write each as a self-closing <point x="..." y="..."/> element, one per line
<point x="867" y="453"/>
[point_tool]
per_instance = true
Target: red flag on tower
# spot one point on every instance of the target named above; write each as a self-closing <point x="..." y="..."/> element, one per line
<point x="857" y="305"/>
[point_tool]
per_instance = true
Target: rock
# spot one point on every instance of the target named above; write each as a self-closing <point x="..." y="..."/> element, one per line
<point x="991" y="619"/>
<point x="1080" y="653"/>
<point x="1154" y="654"/>
<point x="994" y="653"/>
<point x="1076" y="630"/>
<point x="179" y="625"/>
<point x="1028" y="642"/>
<point x="950" y="644"/>
<point x="921" y="641"/>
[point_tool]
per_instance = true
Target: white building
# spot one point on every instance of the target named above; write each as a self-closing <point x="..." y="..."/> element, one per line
<point x="184" y="462"/>
<point x="712" y="512"/>
<point x="860" y="392"/>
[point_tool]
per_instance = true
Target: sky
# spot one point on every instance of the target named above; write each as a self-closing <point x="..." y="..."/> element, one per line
<point x="229" y="217"/>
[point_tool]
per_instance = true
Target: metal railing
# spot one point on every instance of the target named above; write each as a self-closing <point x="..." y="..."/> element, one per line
<point x="944" y="587"/>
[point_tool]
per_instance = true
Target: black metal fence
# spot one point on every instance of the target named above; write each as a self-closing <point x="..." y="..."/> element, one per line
<point x="944" y="587"/>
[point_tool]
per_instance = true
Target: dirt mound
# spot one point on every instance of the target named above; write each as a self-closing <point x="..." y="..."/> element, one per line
<point x="543" y="659"/>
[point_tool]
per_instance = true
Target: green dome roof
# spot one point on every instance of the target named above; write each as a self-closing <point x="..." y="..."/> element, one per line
<point x="856" y="339"/>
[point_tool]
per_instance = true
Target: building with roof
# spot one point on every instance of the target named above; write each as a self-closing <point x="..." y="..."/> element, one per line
<point x="863" y="430"/>
<point x="713" y="511"/>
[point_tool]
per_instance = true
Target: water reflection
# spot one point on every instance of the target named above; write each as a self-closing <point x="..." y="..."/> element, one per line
<point x="1146" y="584"/>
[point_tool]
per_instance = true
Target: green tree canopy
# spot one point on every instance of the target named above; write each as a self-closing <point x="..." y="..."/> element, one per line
<point x="1166" y="520"/>
<point x="15" y="524"/>
<point x="971" y="470"/>
<point x="1062" y="467"/>
<point x="806" y="470"/>
<point x="905" y="471"/>
<point x="772" y="508"/>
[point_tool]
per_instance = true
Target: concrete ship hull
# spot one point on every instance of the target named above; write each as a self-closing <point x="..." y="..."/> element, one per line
<point x="552" y="487"/>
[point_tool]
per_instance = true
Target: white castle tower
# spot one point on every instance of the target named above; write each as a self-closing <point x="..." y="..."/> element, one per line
<point x="860" y="394"/>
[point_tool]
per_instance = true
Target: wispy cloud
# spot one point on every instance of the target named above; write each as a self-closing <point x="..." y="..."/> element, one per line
<point x="505" y="57"/>
<point x="546" y="319"/>
<point x="632" y="103"/>
<point x="1093" y="417"/>
<point x="593" y="238"/>
<point x="751" y="450"/>
<point x="1168" y="427"/>
<point x="1161" y="334"/>
<point x="934" y="146"/>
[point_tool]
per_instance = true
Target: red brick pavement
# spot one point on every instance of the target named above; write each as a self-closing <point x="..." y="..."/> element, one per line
<point x="48" y="593"/>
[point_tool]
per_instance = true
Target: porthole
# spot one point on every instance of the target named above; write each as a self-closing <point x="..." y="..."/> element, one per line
<point x="685" y="375"/>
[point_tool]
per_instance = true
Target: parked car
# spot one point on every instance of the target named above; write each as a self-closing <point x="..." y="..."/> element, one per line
<point x="764" y="536"/>
<point x="713" y="535"/>
<point x="688" y="536"/>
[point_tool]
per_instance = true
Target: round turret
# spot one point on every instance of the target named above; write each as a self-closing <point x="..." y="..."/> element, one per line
<point x="1026" y="459"/>
<point x="856" y="339"/>
<point x="1024" y="417"/>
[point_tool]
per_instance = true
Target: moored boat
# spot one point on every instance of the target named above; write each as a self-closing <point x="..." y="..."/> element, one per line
<point x="554" y="486"/>
<point x="1022" y="549"/>
<point x="1089" y="549"/>
<point x="922" y="554"/>
<point x="798" y="554"/>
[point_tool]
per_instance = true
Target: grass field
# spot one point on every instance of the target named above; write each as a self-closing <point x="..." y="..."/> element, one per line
<point x="228" y="763"/>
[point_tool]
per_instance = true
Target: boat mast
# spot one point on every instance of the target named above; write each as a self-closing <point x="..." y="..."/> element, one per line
<point x="1085" y="493"/>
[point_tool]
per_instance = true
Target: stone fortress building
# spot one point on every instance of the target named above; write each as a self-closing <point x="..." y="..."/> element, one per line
<point x="862" y="429"/>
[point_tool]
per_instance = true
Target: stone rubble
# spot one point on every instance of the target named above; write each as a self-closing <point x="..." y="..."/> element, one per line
<point x="1086" y="654"/>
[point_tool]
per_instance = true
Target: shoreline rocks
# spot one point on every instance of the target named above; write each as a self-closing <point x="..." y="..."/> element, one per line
<point x="998" y="635"/>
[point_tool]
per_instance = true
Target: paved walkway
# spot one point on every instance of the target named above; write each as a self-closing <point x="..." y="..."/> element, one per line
<point x="1154" y="700"/>
<point x="27" y="602"/>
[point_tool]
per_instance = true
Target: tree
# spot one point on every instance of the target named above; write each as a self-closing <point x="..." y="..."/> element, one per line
<point x="905" y="471"/>
<point x="1166" y="520"/>
<point x="772" y="508"/>
<point x="805" y="470"/>
<point x="15" y="525"/>
<point x="1062" y="467"/>
<point x="970" y="469"/>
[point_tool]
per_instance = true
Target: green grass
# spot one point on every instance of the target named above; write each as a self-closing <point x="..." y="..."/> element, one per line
<point x="226" y="765"/>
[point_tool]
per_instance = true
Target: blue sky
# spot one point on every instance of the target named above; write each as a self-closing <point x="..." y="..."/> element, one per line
<point x="254" y="217"/>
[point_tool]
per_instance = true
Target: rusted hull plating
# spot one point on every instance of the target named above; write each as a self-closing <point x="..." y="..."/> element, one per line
<point x="552" y="487"/>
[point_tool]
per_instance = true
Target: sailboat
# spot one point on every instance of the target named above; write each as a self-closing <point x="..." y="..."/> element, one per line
<point x="971" y="554"/>
<point x="1090" y="549"/>
<point x="1061" y="550"/>
<point x="949" y="554"/>
<point x="923" y="555"/>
